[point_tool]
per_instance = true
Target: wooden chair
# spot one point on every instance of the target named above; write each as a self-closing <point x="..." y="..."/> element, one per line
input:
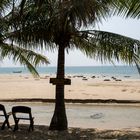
<point x="17" y="110"/>
<point x="5" y="115"/>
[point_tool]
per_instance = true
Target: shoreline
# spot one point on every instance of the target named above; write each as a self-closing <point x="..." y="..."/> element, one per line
<point x="75" y="101"/>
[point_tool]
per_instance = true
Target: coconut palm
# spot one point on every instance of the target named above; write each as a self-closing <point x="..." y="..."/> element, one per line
<point x="62" y="25"/>
<point x="9" y="49"/>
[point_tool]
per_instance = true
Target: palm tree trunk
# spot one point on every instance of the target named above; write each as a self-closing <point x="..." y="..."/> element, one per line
<point x="59" y="119"/>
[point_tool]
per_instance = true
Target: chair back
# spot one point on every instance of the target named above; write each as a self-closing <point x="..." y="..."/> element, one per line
<point x="17" y="110"/>
<point x="21" y="109"/>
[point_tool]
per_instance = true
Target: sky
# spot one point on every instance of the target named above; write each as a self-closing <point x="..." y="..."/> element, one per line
<point x="127" y="27"/>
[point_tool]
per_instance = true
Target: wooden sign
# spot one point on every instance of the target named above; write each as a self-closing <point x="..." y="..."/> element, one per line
<point x="56" y="81"/>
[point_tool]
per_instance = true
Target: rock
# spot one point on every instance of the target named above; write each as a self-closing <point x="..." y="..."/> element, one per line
<point x="106" y="79"/>
<point x="97" y="116"/>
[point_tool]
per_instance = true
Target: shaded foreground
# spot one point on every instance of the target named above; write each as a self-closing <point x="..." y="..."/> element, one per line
<point x="43" y="133"/>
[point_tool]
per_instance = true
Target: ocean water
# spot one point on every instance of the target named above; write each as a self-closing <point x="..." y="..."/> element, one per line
<point x="81" y="70"/>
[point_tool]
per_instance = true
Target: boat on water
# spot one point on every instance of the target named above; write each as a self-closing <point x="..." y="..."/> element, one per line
<point x="17" y="71"/>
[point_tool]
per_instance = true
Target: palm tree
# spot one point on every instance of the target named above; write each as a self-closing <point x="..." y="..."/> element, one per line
<point x="62" y="25"/>
<point x="9" y="49"/>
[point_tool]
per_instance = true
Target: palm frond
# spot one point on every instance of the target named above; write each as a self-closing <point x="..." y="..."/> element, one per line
<point x="127" y="8"/>
<point x="24" y="56"/>
<point x="85" y="12"/>
<point x="4" y="4"/>
<point x="81" y="42"/>
<point x="57" y="22"/>
<point x="107" y="46"/>
<point x="138" y="67"/>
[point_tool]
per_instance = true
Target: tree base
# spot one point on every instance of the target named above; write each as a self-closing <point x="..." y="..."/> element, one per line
<point x="58" y="123"/>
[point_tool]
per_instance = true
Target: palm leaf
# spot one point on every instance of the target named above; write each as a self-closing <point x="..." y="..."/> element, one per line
<point x="24" y="56"/>
<point x="106" y="46"/>
<point x="127" y="8"/>
<point x="75" y="13"/>
<point x="138" y="67"/>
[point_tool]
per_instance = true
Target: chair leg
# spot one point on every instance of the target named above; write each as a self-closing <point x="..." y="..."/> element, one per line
<point x="16" y="125"/>
<point x="31" y="125"/>
<point x="3" y="125"/>
<point x="5" y="122"/>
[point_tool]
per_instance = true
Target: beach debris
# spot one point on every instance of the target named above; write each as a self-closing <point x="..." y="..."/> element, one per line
<point x="69" y="76"/>
<point x="118" y="80"/>
<point x="83" y="136"/>
<point x="79" y="76"/>
<point x="70" y="131"/>
<point x="70" y="90"/>
<point x="26" y="77"/>
<point x="106" y="79"/>
<point x="47" y="76"/>
<point x="127" y="76"/>
<point x="124" y="90"/>
<point x="37" y="79"/>
<point x="97" y="116"/>
<point x="114" y="78"/>
<point x="85" y="79"/>
<point x="93" y="77"/>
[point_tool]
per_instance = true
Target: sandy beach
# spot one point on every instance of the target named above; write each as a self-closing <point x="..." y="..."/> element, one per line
<point x="17" y="86"/>
<point x="24" y="86"/>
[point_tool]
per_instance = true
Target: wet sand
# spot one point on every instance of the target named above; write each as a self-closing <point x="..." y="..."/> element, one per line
<point x="101" y="116"/>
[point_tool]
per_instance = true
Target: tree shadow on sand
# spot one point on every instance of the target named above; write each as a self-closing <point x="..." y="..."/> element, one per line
<point x="43" y="133"/>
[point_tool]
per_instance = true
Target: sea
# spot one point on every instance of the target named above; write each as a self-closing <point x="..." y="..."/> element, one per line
<point x="121" y="71"/>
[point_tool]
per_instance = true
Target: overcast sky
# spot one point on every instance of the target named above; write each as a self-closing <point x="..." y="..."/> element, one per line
<point x="127" y="27"/>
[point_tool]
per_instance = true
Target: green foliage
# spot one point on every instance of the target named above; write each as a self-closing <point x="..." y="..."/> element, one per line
<point x="8" y="47"/>
<point x="53" y="23"/>
<point x="104" y="46"/>
<point x="127" y="8"/>
<point x="58" y="22"/>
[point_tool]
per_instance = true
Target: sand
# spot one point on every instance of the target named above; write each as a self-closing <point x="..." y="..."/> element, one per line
<point x="25" y="86"/>
<point x="42" y="133"/>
